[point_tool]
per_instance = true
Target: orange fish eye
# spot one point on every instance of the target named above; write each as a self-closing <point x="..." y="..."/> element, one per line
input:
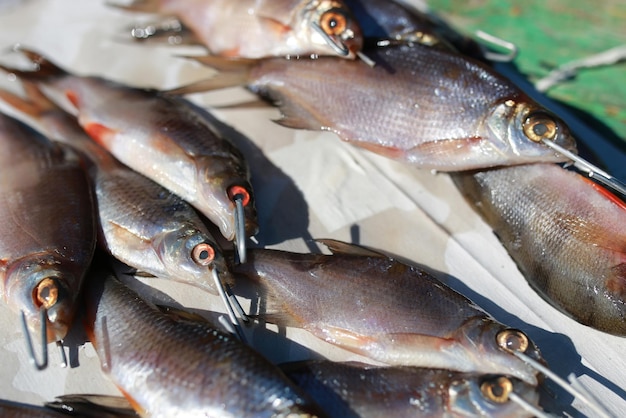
<point x="203" y="254"/>
<point x="512" y="340"/>
<point x="497" y="390"/>
<point x="333" y="22"/>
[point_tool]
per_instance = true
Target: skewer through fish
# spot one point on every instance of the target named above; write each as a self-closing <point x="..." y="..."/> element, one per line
<point x="255" y="29"/>
<point x="163" y="139"/>
<point x="47" y="230"/>
<point x="357" y="390"/>
<point x="423" y="106"/>
<point x="170" y="367"/>
<point x="383" y="309"/>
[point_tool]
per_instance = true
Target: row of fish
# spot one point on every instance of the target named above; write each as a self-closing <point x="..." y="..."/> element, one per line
<point x="105" y="110"/>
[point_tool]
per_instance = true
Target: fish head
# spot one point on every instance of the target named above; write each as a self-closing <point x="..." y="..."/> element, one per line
<point x="495" y="344"/>
<point x="330" y="26"/>
<point x="221" y="182"/>
<point x="518" y="129"/>
<point x="488" y="395"/>
<point x="189" y="256"/>
<point x="37" y="283"/>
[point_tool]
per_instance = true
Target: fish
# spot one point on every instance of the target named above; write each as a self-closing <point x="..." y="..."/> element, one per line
<point x="47" y="228"/>
<point x="566" y="234"/>
<point x="383" y="20"/>
<point x="139" y="222"/>
<point x="178" y="148"/>
<point x="168" y="367"/>
<point x="257" y="29"/>
<point x="359" y="390"/>
<point x="422" y="106"/>
<point x="383" y="309"/>
<point x="9" y="409"/>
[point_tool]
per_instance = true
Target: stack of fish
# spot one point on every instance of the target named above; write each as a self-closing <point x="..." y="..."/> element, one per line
<point x="420" y="102"/>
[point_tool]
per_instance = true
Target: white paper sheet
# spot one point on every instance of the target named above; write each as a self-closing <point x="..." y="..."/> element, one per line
<point x="308" y="185"/>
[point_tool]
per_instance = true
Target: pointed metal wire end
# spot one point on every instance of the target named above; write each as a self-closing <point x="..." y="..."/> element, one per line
<point x="591" y="403"/>
<point x="44" y="340"/>
<point x="236" y="304"/>
<point x="240" y="229"/>
<point x="63" y="356"/>
<point x="524" y="404"/>
<point x="591" y="170"/>
<point x="491" y="40"/>
<point x="367" y="60"/>
<point x="340" y="48"/>
<point x="229" y="309"/>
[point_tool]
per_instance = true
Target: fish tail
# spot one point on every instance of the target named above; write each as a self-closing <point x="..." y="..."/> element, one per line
<point x="34" y="104"/>
<point x="44" y="68"/>
<point x="232" y="73"/>
<point x="143" y="6"/>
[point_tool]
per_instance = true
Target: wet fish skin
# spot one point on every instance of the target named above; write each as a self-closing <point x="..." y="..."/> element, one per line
<point x="47" y="228"/>
<point x="140" y="223"/>
<point x="10" y="409"/>
<point x="379" y="308"/>
<point x="419" y="105"/>
<point x="178" y="149"/>
<point x="359" y="390"/>
<point x="256" y="29"/>
<point x="567" y="236"/>
<point x="169" y="367"/>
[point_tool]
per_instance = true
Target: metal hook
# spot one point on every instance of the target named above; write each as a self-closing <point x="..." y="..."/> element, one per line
<point x="338" y="46"/>
<point x="229" y="308"/>
<point x="240" y="229"/>
<point x="44" y="340"/>
<point x="562" y="383"/>
<point x="490" y="40"/>
<point x="591" y="170"/>
<point x="524" y="404"/>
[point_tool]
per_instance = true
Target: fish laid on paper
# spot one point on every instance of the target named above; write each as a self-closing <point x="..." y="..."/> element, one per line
<point x="420" y="105"/>
<point x="47" y="227"/>
<point x="262" y="28"/>
<point x="566" y="234"/>
<point x="383" y="309"/>
<point x="158" y="136"/>
<point x="168" y="367"/>
<point x="140" y="223"/>
<point x="357" y="390"/>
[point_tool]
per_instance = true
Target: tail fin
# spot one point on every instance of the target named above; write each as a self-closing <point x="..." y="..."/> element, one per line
<point x="44" y="69"/>
<point x="232" y="73"/>
<point x="34" y="104"/>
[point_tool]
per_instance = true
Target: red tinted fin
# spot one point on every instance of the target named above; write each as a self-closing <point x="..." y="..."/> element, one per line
<point x="99" y="132"/>
<point x="606" y="193"/>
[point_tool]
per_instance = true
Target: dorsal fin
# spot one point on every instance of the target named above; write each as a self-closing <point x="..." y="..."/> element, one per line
<point x="341" y="247"/>
<point x="44" y="68"/>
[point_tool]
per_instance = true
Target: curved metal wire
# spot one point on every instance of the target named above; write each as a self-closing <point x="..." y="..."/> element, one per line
<point x="44" y="340"/>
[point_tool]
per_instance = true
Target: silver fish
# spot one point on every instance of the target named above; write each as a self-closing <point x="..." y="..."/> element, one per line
<point x="168" y="367"/>
<point x="178" y="149"/>
<point x="140" y="223"/>
<point x="383" y="309"/>
<point x="357" y="390"/>
<point x="419" y="105"/>
<point x="567" y="235"/>
<point x="47" y="227"/>
<point x="262" y="28"/>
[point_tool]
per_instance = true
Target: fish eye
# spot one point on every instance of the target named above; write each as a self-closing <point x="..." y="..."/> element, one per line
<point x="46" y="293"/>
<point x="203" y="254"/>
<point x="241" y="191"/>
<point x="512" y="340"/>
<point x="333" y="22"/>
<point x="539" y="126"/>
<point x="497" y="390"/>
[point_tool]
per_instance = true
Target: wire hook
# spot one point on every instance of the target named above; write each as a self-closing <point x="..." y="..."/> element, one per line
<point x="340" y="48"/>
<point x="229" y="308"/>
<point x="240" y="229"/>
<point x="44" y="340"/>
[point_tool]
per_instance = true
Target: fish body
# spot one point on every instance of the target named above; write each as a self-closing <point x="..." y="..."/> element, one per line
<point x="351" y="390"/>
<point x="169" y="367"/>
<point x="10" y="409"/>
<point x="47" y="227"/>
<point x="140" y="223"/>
<point x="262" y="28"/>
<point x="566" y="234"/>
<point x="419" y="105"/>
<point x="158" y="136"/>
<point x="380" y="308"/>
